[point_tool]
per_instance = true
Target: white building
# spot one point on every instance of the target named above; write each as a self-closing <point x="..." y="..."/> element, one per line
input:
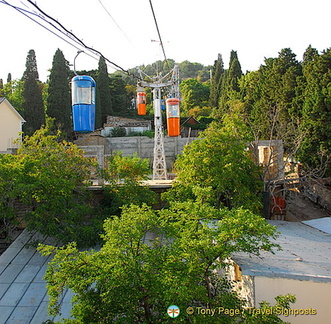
<point x="10" y="126"/>
<point x="301" y="268"/>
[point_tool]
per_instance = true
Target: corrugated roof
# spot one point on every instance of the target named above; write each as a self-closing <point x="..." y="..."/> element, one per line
<point x="322" y="224"/>
<point x="23" y="295"/>
<point x="305" y="255"/>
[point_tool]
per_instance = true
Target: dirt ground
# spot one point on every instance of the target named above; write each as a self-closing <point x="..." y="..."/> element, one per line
<point x="300" y="208"/>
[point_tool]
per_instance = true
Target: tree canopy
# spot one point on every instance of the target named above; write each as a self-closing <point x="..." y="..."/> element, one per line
<point x="154" y="259"/>
<point x="217" y="168"/>
<point x="48" y="176"/>
<point x="104" y="102"/>
<point x="59" y="97"/>
<point x="33" y="106"/>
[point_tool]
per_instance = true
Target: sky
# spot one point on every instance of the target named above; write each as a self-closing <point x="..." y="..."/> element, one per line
<point x="124" y="31"/>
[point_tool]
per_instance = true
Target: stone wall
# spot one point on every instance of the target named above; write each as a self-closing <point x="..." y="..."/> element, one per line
<point x="142" y="145"/>
<point x="319" y="191"/>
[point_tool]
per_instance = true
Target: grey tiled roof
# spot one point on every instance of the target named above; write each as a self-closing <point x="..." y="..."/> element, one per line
<point x="23" y="296"/>
<point x="305" y="255"/>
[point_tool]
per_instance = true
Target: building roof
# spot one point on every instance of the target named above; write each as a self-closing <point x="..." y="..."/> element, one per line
<point x="115" y="121"/>
<point x="305" y="255"/>
<point x="2" y="99"/>
<point x="23" y="294"/>
<point x="322" y="224"/>
<point x="190" y="121"/>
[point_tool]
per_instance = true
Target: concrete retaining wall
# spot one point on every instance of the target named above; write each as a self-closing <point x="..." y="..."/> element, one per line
<point x="144" y="147"/>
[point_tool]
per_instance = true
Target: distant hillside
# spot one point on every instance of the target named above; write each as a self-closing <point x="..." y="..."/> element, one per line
<point x="187" y="70"/>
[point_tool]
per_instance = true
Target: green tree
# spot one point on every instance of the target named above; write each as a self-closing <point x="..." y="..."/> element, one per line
<point x="33" y="106"/>
<point x="125" y="176"/>
<point x="194" y="94"/>
<point x="316" y="115"/>
<point x="13" y="92"/>
<point x="121" y="99"/>
<point x="272" y="100"/>
<point x="189" y="70"/>
<point x="153" y="259"/>
<point x="49" y="177"/>
<point x="104" y="102"/>
<point x="10" y="175"/>
<point x="58" y="99"/>
<point x="235" y="72"/>
<point x="229" y="85"/>
<point x="216" y="81"/>
<point x="218" y="169"/>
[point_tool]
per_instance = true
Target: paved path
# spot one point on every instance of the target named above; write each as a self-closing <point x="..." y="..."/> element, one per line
<point x="23" y="296"/>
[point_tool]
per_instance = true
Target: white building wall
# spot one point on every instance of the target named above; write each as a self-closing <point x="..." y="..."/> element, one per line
<point x="310" y="295"/>
<point x="10" y="126"/>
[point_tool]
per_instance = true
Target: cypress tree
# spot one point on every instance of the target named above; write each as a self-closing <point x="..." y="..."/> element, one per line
<point x="9" y="84"/>
<point x="33" y="106"/>
<point x="218" y="71"/>
<point x="1" y="88"/>
<point x="121" y="99"/>
<point x="234" y="73"/>
<point x="104" y="104"/>
<point x="229" y="86"/>
<point x="58" y="100"/>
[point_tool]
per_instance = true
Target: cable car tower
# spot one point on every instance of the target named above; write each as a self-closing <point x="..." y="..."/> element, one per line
<point x="171" y="81"/>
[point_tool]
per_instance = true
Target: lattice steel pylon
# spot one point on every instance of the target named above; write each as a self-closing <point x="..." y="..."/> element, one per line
<point x="159" y="161"/>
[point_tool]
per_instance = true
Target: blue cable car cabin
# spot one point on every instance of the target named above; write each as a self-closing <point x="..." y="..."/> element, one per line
<point x="83" y="103"/>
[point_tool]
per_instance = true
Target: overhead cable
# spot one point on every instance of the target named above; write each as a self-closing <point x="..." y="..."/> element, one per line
<point x="158" y="30"/>
<point x="64" y="31"/>
<point x="112" y="18"/>
<point x="72" y="34"/>
<point x="26" y="13"/>
<point x="73" y="41"/>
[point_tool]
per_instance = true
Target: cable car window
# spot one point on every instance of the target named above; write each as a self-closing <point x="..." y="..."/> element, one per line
<point x="173" y="108"/>
<point x="82" y="93"/>
<point x="173" y="111"/>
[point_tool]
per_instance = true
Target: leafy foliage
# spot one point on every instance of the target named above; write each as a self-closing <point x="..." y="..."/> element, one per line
<point x="118" y="132"/>
<point x="124" y="176"/>
<point x="49" y="178"/>
<point x="194" y="94"/>
<point x="120" y="96"/>
<point x="270" y="98"/>
<point x="218" y="169"/>
<point x="104" y="104"/>
<point x="10" y="175"/>
<point x="58" y="98"/>
<point x="316" y="112"/>
<point x="162" y="258"/>
<point x="33" y="106"/>
<point x="12" y="90"/>
<point x="216" y="81"/>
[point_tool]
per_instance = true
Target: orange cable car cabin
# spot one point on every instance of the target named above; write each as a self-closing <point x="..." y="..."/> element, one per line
<point x="173" y="120"/>
<point x="141" y="103"/>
